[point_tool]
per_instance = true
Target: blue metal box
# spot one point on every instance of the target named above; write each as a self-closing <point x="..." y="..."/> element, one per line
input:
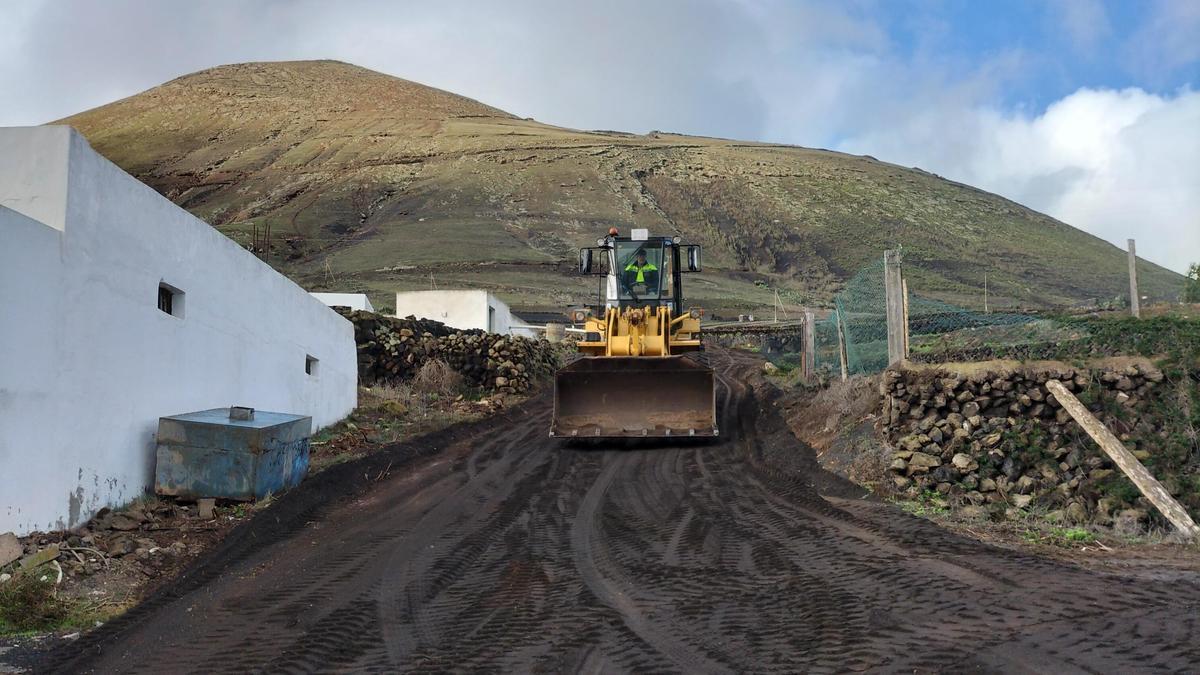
<point x="208" y="454"/>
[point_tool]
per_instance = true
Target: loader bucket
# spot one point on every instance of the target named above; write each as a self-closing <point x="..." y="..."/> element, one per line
<point x="612" y="396"/>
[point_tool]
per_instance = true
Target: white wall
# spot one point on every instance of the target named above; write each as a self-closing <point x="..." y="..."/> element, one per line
<point x="88" y="363"/>
<point x="503" y="320"/>
<point x="464" y="310"/>
<point x="34" y="166"/>
<point x="357" y="301"/>
<point x="458" y="309"/>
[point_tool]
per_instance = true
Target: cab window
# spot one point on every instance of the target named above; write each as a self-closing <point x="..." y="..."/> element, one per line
<point x="640" y="270"/>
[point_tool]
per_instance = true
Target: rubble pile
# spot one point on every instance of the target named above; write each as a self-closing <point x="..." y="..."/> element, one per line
<point x="996" y="441"/>
<point x="391" y="350"/>
<point x="147" y="537"/>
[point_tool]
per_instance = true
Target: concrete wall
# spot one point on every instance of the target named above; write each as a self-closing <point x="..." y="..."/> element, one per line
<point x="504" y="321"/>
<point x="465" y="310"/>
<point x="352" y="300"/>
<point x="33" y="164"/>
<point x="88" y="363"/>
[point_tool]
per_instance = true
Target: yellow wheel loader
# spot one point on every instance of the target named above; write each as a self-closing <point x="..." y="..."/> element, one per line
<point x="640" y="370"/>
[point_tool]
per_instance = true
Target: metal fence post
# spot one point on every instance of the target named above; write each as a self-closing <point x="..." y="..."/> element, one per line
<point x="1134" y="300"/>
<point x="893" y="289"/>
<point x="842" y="357"/>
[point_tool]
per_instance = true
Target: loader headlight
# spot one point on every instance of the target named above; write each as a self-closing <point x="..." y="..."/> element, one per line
<point x="694" y="313"/>
<point x="676" y="239"/>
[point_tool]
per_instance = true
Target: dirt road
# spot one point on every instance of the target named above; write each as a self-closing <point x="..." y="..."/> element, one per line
<point x="491" y="547"/>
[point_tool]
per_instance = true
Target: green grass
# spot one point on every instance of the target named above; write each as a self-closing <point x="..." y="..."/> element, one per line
<point x="928" y="504"/>
<point x="1058" y="536"/>
<point x="1075" y="534"/>
<point x="30" y="604"/>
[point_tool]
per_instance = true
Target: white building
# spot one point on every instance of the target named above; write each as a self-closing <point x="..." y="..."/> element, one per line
<point x="116" y="308"/>
<point x="357" y="301"/>
<point x="463" y="309"/>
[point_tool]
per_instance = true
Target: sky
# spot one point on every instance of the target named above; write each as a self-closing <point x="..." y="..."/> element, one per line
<point x="1088" y="110"/>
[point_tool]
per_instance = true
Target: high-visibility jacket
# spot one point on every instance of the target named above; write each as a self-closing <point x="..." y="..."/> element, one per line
<point x="641" y="271"/>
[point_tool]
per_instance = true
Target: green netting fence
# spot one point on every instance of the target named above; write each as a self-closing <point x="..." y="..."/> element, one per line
<point x="938" y="331"/>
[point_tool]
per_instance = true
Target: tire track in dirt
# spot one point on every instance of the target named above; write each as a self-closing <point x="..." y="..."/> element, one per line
<point x="493" y="547"/>
<point x="603" y="578"/>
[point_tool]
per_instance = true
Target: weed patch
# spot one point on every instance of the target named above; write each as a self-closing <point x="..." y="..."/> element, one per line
<point x="30" y="603"/>
<point x="928" y="504"/>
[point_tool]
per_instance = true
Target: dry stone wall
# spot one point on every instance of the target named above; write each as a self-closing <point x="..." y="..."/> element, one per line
<point x="991" y="438"/>
<point x="391" y="350"/>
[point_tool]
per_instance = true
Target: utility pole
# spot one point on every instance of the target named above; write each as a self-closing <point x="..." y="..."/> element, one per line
<point x="1134" y="300"/>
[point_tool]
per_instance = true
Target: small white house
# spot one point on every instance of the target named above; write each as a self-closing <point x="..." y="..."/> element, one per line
<point x="357" y="301"/>
<point x="116" y="308"/>
<point x="463" y="309"/>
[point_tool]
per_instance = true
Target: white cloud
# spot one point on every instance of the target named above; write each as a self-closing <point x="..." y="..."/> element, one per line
<point x="1118" y="164"/>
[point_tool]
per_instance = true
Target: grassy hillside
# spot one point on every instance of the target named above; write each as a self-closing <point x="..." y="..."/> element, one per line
<point x="370" y="182"/>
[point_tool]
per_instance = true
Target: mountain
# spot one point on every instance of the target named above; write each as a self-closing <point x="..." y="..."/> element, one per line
<point x="370" y="182"/>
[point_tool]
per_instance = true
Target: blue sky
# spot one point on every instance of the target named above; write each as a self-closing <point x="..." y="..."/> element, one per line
<point x="1066" y="45"/>
<point x="1087" y="110"/>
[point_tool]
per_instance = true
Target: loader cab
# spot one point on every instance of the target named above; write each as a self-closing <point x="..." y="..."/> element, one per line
<point x="641" y="273"/>
<point x="640" y="270"/>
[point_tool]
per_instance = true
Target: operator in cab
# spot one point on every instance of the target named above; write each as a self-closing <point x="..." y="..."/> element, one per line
<point x="641" y="271"/>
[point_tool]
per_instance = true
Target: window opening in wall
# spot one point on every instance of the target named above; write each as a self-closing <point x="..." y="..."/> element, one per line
<point x="170" y="300"/>
<point x="310" y="364"/>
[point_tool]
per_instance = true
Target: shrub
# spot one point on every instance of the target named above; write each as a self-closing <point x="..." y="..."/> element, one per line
<point x="1191" y="286"/>
<point x="437" y="380"/>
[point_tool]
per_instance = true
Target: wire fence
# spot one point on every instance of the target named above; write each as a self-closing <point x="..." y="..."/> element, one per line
<point x="937" y="331"/>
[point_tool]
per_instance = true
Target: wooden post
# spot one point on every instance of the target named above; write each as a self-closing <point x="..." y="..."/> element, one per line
<point x="1134" y="300"/>
<point x="842" y="357"/>
<point x="985" y="294"/>
<point x="810" y="346"/>
<point x="904" y="285"/>
<point x="893" y="289"/>
<point x="1145" y="482"/>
